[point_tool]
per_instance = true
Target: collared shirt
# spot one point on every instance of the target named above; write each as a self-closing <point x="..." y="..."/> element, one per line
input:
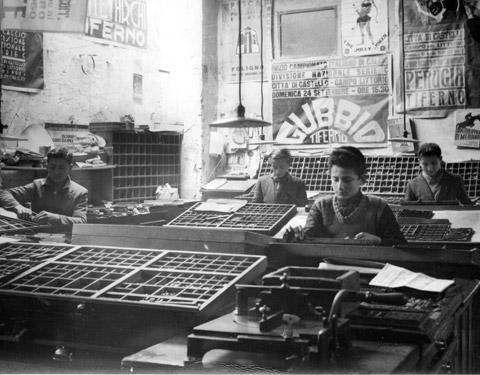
<point x="69" y="201"/>
<point x="287" y="189"/>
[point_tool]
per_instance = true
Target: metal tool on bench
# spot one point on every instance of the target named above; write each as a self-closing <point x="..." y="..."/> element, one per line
<point x="296" y="322"/>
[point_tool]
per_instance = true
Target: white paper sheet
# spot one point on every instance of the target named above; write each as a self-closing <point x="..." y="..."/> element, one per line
<point x="221" y="205"/>
<point x="395" y="277"/>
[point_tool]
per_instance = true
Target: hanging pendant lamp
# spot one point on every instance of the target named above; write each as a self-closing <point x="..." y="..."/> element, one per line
<point x="240" y="121"/>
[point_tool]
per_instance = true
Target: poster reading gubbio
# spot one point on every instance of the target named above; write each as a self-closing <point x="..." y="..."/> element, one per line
<point x="331" y="100"/>
<point x="364" y="27"/>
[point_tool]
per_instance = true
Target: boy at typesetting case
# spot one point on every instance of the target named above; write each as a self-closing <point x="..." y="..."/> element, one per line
<point x="349" y="214"/>
<point x="434" y="183"/>
<point x="280" y="186"/>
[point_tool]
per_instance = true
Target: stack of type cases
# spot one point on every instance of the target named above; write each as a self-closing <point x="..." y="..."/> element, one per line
<point x="144" y="161"/>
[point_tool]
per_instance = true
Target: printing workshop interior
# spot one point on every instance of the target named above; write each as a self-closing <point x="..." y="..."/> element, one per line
<point x="238" y="186"/>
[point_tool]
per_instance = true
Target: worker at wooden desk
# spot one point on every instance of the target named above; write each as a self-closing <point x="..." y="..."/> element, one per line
<point x="280" y="186"/>
<point x="55" y="200"/>
<point x="349" y="214"/>
<point x="434" y="183"/>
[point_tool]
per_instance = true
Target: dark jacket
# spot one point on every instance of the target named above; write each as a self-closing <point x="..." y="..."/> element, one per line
<point x="69" y="202"/>
<point x="373" y="216"/>
<point x="451" y="188"/>
<point x="291" y="190"/>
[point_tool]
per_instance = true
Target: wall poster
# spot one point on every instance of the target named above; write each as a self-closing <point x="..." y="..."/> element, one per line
<point x="434" y="58"/>
<point x="250" y="41"/>
<point x="331" y="100"/>
<point x="364" y="27"/>
<point x="22" y="60"/>
<point x="120" y="21"/>
<point x="467" y="128"/>
<point x="51" y="15"/>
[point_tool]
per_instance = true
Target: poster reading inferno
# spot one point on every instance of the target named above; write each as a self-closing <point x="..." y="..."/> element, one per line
<point x="364" y="27"/>
<point x="331" y="100"/>
<point x="22" y="60"/>
<point x="250" y="41"/>
<point x="120" y="21"/>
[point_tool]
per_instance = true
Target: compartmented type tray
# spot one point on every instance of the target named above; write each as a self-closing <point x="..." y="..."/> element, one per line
<point x="12" y="225"/>
<point x="435" y="232"/>
<point x="11" y="268"/>
<point x="31" y="252"/>
<point x="387" y="175"/>
<point x="188" y="281"/>
<point x="256" y="217"/>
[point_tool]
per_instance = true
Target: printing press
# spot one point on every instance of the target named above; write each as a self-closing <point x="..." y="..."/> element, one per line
<point x="313" y="319"/>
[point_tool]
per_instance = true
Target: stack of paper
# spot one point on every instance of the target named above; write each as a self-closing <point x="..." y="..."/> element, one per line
<point x="395" y="277"/>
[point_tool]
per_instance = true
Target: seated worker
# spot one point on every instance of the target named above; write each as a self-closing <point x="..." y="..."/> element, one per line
<point x="349" y="214"/>
<point x="280" y="186"/>
<point x="55" y="200"/>
<point x="434" y="183"/>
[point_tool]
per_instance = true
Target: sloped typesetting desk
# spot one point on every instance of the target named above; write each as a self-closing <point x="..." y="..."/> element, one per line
<point x="98" y="180"/>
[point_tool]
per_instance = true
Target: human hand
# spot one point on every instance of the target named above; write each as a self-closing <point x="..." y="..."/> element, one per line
<point x="368" y="237"/>
<point x="23" y="213"/>
<point x="45" y="217"/>
<point x="293" y="234"/>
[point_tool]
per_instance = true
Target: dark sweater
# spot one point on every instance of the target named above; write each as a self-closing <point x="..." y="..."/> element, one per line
<point x="291" y="190"/>
<point x="451" y="188"/>
<point x="372" y="215"/>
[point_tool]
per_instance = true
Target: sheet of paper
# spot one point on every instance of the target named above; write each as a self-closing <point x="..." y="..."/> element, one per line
<point x="215" y="184"/>
<point x="365" y="270"/>
<point x="221" y="205"/>
<point x="395" y="277"/>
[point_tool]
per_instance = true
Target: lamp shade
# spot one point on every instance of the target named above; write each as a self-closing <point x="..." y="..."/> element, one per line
<point x="240" y="121"/>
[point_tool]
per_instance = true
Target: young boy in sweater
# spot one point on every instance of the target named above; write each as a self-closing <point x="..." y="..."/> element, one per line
<point x="349" y="214"/>
<point x="280" y="186"/>
<point x="434" y="183"/>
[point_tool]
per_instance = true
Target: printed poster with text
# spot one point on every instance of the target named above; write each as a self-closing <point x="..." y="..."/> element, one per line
<point x="43" y="15"/>
<point x="250" y="40"/>
<point x="364" y="27"/>
<point x="119" y="21"/>
<point x="331" y="100"/>
<point x="467" y="127"/>
<point x="22" y="60"/>
<point x="434" y="58"/>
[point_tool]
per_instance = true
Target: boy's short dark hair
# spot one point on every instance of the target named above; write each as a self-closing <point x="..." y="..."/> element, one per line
<point x="61" y="153"/>
<point x="281" y="153"/>
<point x="430" y="149"/>
<point x="348" y="157"/>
